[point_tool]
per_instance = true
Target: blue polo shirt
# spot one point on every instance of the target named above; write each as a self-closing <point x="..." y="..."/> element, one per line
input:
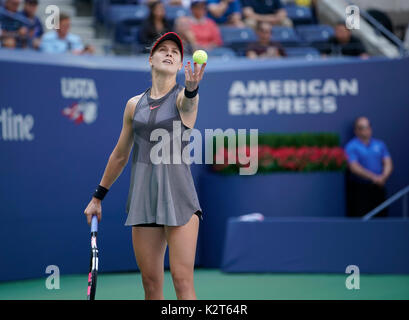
<point x="51" y="43"/>
<point x="233" y="7"/>
<point x="368" y="156"/>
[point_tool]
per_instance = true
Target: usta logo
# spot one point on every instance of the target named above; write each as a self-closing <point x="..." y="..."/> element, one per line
<point x="84" y="90"/>
<point x="81" y="112"/>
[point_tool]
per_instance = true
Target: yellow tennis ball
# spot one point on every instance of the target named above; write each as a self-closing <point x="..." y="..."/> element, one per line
<point x="200" y="56"/>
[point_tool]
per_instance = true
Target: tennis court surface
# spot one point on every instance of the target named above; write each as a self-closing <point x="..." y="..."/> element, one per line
<point x="212" y="284"/>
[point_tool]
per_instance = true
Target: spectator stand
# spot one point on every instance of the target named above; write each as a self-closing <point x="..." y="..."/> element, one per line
<point x="124" y="21"/>
<point x="317" y="36"/>
<point x="299" y="14"/>
<point x="118" y="13"/>
<point x="174" y="12"/>
<point x="306" y="39"/>
<point x="124" y="18"/>
<point x="15" y="16"/>
<point x="10" y="21"/>
<point x="102" y="7"/>
<point x="127" y="36"/>
<point x="286" y="36"/>
<point x="302" y="52"/>
<point x="237" y="38"/>
<point x="223" y="53"/>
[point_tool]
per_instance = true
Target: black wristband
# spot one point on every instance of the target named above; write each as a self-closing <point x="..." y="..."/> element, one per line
<point x="100" y="192"/>
<point x="191" y="94"/>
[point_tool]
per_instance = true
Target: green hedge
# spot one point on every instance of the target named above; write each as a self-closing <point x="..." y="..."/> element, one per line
<point x="276" y="140"/>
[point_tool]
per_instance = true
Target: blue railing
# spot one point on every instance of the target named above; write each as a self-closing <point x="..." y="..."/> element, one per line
<point x="401" y="194"/>
<point x="380" y="28"/>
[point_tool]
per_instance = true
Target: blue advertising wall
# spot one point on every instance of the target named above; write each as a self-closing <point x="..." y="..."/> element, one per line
<point x="50" y="164"/>
<point x="314" y="245"/>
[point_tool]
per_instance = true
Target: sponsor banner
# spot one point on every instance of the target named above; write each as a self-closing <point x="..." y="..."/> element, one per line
<point x="16" y="127"/>
<point x="262" y="97"/>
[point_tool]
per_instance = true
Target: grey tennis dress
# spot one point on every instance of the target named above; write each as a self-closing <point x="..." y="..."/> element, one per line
<point x="159" y="193"/>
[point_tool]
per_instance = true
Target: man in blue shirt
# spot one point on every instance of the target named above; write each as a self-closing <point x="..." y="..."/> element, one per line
<point x="370" y="165"/>
<point x="61" y="40"/>
<point x="225" y="12"/>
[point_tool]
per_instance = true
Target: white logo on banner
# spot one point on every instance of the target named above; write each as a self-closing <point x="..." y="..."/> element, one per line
<point x="260" y="97"/>
<point x="85" y="109"/>
<point x="15" y="127"/>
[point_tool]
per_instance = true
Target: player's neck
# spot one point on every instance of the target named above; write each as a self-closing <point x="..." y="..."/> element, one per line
<point x="161" y="86"/>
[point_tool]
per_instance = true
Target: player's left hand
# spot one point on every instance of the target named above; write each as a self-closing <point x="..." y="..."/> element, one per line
<point x="192" y="79"/>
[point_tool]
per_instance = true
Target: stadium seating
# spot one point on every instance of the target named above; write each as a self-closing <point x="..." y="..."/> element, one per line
<point x="118" y="13"/>
<point x="285" y="35"/>
<point x="174" y="12"/>
<point x="123" y="1"/>
<point x="237" y="38"/>
<point x="223" y="52"/>
<point x="101" y="7"/>
<point x="299" y="15"/>
<point x="126" y="31"/>
<point x="306" y="52"/>
<point x="302" y="40"/>
<point x="316" y="35"/>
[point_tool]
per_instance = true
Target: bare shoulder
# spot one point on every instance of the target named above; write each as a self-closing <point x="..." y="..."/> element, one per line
<point x="132" y="103"/>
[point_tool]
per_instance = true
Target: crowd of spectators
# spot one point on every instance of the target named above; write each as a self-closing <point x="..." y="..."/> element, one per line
<point x="199" y="30"/>
<point x="264" y="47"/>
<point x="344" y="43"/>
<point x="155" y="24"/>
<point x="24" y="30"/>
<point x="20" y="29"/>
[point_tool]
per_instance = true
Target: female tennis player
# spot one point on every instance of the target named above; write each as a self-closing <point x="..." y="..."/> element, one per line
<point x="163" y="207"/>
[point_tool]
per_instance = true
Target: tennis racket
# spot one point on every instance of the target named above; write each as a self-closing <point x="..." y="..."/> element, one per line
<point x="93" y="264"/>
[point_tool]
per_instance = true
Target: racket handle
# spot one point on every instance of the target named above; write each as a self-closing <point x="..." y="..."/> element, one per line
<point x="94" y="224"/>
